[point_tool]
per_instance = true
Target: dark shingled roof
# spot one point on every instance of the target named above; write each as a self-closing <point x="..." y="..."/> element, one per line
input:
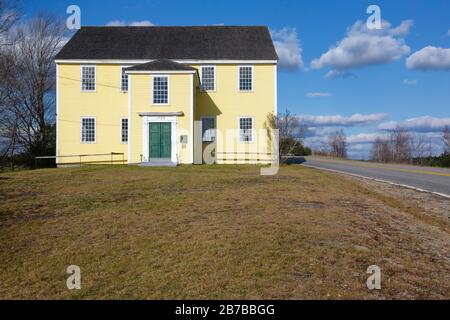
<point x="161" y="65"/>
<point x="183" y="43"/>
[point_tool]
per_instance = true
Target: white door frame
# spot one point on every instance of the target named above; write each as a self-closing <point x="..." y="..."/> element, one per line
<point x="145" y="135"/>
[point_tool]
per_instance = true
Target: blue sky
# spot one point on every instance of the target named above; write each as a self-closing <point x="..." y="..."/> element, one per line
<point x="375" y="89"/>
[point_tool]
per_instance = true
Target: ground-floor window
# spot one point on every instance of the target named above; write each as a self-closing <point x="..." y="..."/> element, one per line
<point x="208" y="129"/>
<point x="88" y="134"/>
<point x="245" y="129"/>
<point x="124" y="130"/>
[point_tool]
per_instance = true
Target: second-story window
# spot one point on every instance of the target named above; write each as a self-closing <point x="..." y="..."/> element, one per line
<point x="124" y="81"/>
<point x="209" y="78"/>
<point x="245" y="78"/>
<point x="161" y="90"/>
<point x="88" y="78"/>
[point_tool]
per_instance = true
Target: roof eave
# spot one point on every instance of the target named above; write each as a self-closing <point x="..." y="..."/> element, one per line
<point x="161" y="72"/>
<point x="188" y="61"/>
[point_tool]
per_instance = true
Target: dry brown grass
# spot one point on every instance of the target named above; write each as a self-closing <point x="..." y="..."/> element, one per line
<point x="213" y="233"/>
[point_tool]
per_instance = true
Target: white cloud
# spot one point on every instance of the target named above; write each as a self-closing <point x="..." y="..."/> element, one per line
<point x="319" y="131"/>
<point x="144" y="23"/>
<point x="341" y="121"/>
<point x="409" y="82"/>
<point x="364" y="47"/>
<point x="363" y="138"/>
<point x="288" y="48"/>
<point x="429" y="58"/>
<point x="420" y="124"/>
<point x="116" y="23"/>
<point x="448" y="32"/>
<point x="318" y="94"/>
<point x="339" y="74"/>
<point x="122" y="23"/>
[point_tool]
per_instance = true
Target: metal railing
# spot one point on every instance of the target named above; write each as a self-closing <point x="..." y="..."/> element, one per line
<point x="81" y="158"/>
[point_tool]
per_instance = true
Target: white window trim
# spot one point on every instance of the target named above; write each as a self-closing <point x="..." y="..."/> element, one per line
<point x="120" y="130"/>
<point x="201" y="77"/>
<point x="215" y="127"/>
<point x="239" y="129"/>
<point x="239" y="78"/>
<point x="120" y="79"/>
<point x="81" y="77"/>
<point x="168" y="89"/>
<point x="81" y="130"/>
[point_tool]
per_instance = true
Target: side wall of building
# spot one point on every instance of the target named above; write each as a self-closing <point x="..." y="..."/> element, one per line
<point x="227" y="104"/>
<point x="107" y="105"/>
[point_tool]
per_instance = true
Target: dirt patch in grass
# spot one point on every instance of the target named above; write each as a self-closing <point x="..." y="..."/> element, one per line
<point x="215" y="232"/>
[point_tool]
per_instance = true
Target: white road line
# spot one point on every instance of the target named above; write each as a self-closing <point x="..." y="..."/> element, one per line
<point x="380" y="180"/>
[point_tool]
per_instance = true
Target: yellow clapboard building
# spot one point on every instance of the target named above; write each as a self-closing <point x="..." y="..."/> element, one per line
<point x="166" y="95"/>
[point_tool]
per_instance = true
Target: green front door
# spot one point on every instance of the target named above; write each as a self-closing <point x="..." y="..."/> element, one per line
<point x="160" y="140"/>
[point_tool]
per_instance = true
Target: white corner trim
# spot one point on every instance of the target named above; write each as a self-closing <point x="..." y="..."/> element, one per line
<point x="129" y="120"/>
<point x="191" y="90"/>
<point x="57" y="114"/>
<point x="276" y="89"/>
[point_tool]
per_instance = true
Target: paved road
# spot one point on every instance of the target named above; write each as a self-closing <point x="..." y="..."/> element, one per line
<point x="430" y="179"/>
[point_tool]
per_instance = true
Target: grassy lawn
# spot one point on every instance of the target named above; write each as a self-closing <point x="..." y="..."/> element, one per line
<point x="219" y="232"/>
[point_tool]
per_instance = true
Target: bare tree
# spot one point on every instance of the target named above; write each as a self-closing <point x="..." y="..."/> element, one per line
<point x="291" y="132"/>
<point x="400" y="140"/>
<point x="338" y="144"/>
<point x="27" y="88"/>
<point x="8" y="121"/>
<point x="420" y="147"/>
<point x="381" y="151"/>
<point x="8" y="16"/>
<point x="446" y="138"/>
<point x="402" y="146"/>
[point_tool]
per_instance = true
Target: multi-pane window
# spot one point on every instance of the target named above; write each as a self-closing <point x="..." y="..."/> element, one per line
<point x="209" y="129"/>
<point x="124" y="81"/>
<point x="160" y="90"/>
<point x="246" y="129"/>
<point x="124" y="130"/>
<point x="88" y="78"/>
<point x="246" y="78"/>
<point x="209" y="78"/>
<point x="87" y="130"/>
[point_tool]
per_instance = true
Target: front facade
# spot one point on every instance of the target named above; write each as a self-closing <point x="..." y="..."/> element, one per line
<point x="154" y="95"/>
